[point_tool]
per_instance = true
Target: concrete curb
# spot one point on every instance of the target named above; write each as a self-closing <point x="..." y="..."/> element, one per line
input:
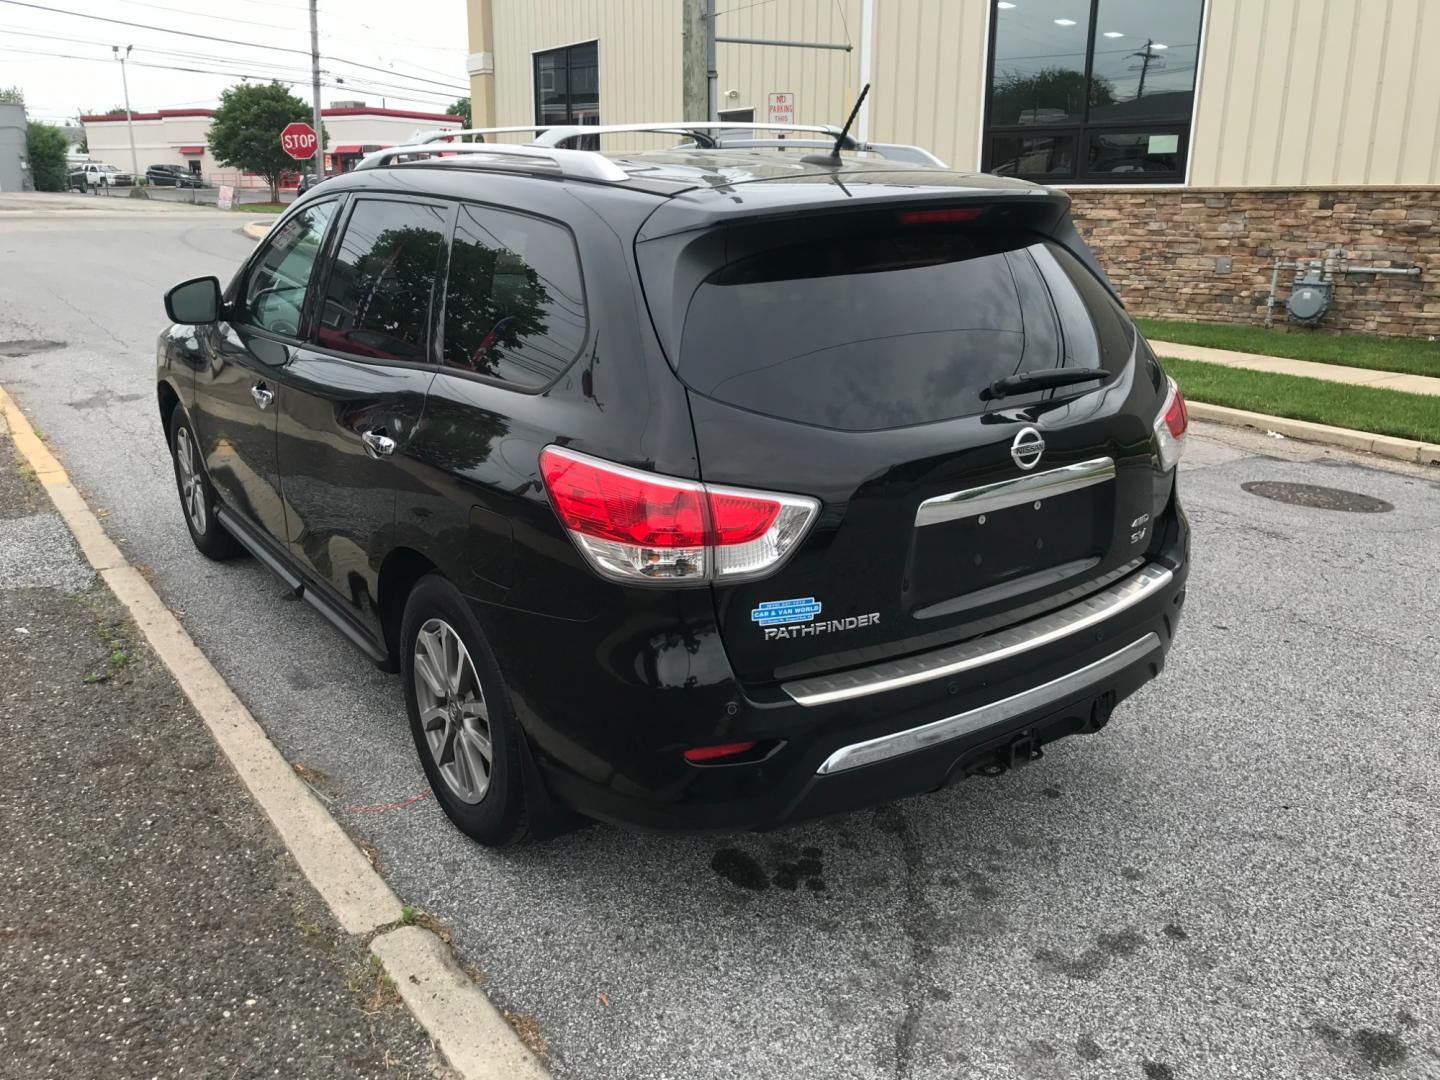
<point x="478" y="1041"/>
<point x="466" y="1027"/>
<point x="1420" y="453"/>
<point x="257" y="230"/>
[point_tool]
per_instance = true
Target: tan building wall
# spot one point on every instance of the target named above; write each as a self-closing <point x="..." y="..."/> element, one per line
<point x="1300" y="92"/>
<point x="1291" y="92"/>
<point x="639" y="57"/>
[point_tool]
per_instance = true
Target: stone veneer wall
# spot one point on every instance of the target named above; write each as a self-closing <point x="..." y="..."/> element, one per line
<point x="1160" y="248"/>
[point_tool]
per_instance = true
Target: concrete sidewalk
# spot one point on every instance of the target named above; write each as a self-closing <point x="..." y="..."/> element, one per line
<point x="1280" y="365"/>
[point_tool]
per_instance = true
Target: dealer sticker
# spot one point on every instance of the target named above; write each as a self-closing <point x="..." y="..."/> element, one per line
<point x="785" y="612"/>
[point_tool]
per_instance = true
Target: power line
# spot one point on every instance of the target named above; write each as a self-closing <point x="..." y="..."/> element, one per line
<point x="206" y="15"/>
<point x="289" y="77"/>
<point x="454" y="87"/>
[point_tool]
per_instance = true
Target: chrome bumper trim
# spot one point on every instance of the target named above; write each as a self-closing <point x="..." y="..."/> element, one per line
<point x="1007" y="493"/>
<point x="978" y="652"/>
<point x="966" y="723"/>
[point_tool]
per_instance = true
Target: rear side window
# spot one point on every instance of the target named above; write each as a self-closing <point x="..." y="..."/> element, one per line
<point x="891" y="327"/>
<point x="275" y="291"/>
<point x="514" y="304"/>
<point x="377" y="300"/>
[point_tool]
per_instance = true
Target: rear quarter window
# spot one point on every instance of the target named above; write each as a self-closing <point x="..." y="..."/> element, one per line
<point x="514" y="302"/>
<point x="893" y="327"/>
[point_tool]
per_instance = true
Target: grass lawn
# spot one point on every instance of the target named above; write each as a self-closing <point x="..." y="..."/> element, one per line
<point x="1364" y="408"/>
<point x="261" y="207"/>
<point x="1412" y="356"/>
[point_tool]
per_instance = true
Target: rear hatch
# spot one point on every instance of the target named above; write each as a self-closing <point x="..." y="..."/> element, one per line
<point x="850" y="358"/>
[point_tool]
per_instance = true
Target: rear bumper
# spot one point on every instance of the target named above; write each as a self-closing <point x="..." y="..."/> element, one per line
<point x="838" y="755"/>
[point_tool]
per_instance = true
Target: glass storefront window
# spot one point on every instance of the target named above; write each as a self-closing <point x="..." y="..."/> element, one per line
<point x="567" y="87"/>
<point x="1092" y="89"/>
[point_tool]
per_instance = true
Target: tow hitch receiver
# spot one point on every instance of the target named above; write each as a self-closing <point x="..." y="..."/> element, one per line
<point x="1011" y="756"/>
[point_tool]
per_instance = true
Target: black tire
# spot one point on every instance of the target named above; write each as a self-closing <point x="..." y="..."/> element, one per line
<point x="499" y="817"/>
<point x="197" y="507"/>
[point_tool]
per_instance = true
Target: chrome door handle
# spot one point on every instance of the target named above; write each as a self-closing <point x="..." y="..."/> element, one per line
<point x="377" y="444"/>
<point x="262" y="394"/>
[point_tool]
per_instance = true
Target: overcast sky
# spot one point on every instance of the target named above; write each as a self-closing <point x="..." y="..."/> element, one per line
<point x="419" y="44"/>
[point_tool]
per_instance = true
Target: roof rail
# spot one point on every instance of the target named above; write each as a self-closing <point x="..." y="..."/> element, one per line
<point x="442" y="134"/>
<point x="578" y="164"/>
<point x="697" y="129"/>
<point x="915" y="155"/>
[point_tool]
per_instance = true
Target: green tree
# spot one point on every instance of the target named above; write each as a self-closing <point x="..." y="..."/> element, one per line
<point x="45" y="147"/>
<point x="13" y="95"/>
<point x="114" y="110"/>
<point x="245" y="130"/>
<point x="461" y="108"/>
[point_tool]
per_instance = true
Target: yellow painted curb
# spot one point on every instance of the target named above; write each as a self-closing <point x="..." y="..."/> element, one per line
<point x="1421" y="453"/>
<point x="466" y="1027"/>
<point x="257" y="230"/>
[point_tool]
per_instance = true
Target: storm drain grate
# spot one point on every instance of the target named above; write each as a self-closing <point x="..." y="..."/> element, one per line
<point x="1317" y="497"/>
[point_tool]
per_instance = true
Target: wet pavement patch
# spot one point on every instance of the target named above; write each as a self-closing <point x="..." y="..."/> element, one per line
<point x="1316" y="497"/>
<point x="26" y="346"/>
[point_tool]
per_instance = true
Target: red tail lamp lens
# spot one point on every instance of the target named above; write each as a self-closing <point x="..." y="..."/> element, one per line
<point x="1177" y="416"/>
<point x="941" y="217"/>
<point x="738" y="519"/>
<point x="622" y="506"/>
<point x="702" y="754"/>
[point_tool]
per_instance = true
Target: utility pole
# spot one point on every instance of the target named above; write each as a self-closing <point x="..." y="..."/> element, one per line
<point x="136" y="191"/>
<point x="694" y="82"/>
<point x="1146" y="55"/>
<point x="319" y="159"/>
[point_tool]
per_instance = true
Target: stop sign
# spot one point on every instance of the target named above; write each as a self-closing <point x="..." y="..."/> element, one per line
<point x="299" y="141"/>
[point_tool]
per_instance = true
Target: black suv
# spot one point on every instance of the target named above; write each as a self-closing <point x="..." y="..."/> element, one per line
<point x="694" y="489"/>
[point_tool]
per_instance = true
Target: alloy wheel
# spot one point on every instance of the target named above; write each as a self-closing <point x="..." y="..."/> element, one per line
<point x="453" y="712"/>
<point x="192" y="488"/>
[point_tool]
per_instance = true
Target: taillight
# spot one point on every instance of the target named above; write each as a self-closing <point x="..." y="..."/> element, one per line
<point x="945" y="216"/>
<point x="637" y="526"/>
<point x="1170" y="427"/>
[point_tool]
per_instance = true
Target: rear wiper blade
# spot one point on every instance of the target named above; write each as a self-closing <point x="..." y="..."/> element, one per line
<point x="1041" y="379"/>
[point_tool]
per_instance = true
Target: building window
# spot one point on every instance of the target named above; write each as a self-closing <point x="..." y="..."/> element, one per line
<point x="567" y="88"/>
<point x="1099" y="91"/>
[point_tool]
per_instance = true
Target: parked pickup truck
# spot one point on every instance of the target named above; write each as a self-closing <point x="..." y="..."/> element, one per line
<point x="96" y="174"/>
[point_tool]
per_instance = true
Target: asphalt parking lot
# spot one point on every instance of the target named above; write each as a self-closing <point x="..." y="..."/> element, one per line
<point x="1236" y="878"/>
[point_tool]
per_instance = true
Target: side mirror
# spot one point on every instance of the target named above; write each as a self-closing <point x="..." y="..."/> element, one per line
<point x="194" y="301"/>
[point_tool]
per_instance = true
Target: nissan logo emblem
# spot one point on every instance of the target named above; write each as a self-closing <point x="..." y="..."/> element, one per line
<point x="1029" y="444"/>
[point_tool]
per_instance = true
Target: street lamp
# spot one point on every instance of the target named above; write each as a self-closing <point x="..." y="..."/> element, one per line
<point x="136" y="191"/>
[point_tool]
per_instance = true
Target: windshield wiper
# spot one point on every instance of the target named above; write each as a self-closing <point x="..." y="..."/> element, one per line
<point x="1041" y="379"/>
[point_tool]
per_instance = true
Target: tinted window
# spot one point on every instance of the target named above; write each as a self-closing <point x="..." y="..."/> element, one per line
<point x="1145" y="57"/>
<point x="1092" y="89"/>
<point x="892" y="329"/>
<point x="377" y="300"/>
<point x="1134" y="152"/>
<point x="1039" y="72"/>
<point x="567" y="88"/>
<point x="275" y="292"/>
<point x="514" y="306"/>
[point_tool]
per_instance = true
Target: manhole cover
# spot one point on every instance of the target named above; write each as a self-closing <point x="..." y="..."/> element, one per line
<point x="1316" y="497"/>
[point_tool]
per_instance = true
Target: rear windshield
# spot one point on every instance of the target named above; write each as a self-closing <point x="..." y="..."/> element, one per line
<point x="893" y="328"/>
